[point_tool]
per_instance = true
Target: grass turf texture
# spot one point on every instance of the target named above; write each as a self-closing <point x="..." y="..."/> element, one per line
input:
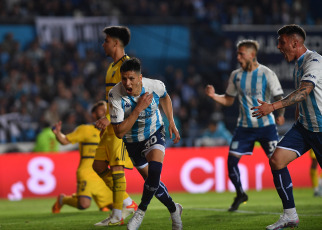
<point x="200" y="211"/>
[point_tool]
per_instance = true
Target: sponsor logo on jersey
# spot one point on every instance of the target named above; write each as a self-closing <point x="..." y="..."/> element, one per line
<point x="310" y="75"/>
<point x="314" y="60"/>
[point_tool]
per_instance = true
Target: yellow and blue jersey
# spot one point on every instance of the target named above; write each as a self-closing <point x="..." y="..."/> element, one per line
<point x="113" y="76"/>
<point x="88" y="137"/>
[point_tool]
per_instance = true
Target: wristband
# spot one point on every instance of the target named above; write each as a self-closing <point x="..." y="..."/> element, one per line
<point x="273" y="107"/>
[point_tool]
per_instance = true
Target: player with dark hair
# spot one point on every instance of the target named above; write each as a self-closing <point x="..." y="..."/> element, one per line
<point x="249" y="82"/>
<point x="306" y="133"/>
<point x="136" y="118"/>
<point x="89" y="184"/>
<point x="111" y="156"/>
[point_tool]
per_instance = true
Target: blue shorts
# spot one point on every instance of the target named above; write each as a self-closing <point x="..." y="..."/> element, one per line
<point x="244" y="139"/>
<point x="300" y="140"/>
<point x="138" y="150"/>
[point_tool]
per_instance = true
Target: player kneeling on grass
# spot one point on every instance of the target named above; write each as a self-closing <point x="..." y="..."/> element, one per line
<point x="136" y="118"/>
<point x="89" y="184"/>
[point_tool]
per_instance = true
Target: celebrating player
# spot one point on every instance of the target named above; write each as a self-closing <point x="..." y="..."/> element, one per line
<point x="306" y="133"/>
<point x="136" y="118"/>
<point x="249" y="82"/>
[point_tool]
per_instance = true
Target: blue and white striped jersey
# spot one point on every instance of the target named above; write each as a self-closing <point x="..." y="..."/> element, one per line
<point x="149" y="120"/>
<point x="308" y="67"/>
<point x="261" y="83"/>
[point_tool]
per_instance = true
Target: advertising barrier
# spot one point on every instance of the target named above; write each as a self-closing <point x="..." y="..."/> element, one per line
<point x="193" y="170"/>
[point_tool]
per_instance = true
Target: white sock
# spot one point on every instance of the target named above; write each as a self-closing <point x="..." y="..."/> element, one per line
<point x="127" y="202"/>
<point x="117" y="213"/>
<point x="291" y="213"/>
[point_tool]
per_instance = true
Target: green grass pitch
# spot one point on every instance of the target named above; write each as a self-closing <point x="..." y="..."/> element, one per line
<point x="200" y="211"/>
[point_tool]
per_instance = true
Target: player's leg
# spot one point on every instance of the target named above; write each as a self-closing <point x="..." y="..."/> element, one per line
<point x="129" y="206"/>
<point x="242" y="144"/>
<point x="150" y="169"/>
<point x="283" y="184"/>
<point x="81" y="200"/>
<point x="314" y="173"/>
<point x="102" y="195"/>
<point x="117" y="158"/>
<point x="316" y="145"/>
<point x="291" y="146"/>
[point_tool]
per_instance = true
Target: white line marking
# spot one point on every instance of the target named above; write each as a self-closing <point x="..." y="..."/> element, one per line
<point x="249" y="212"/>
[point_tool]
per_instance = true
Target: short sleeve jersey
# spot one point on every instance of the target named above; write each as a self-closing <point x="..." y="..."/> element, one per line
<point x="113" y="76"/>
<point x="308" y="67"/>
<point x="88" y="137"/>
<point x="261" y="83"/>
<point x="149" y="120"/>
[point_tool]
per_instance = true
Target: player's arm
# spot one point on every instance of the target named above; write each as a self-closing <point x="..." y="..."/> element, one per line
<point x="166" y="105"/>
<point x="122" y="128"/>
<point x="280" y="120"/>
<point x="295" y="97"/>
<point x="224" y="99"/>
<point x="61" y="138"/>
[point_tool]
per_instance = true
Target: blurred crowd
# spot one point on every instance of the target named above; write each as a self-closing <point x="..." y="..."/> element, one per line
<point x="42" y="85"/>
<point x="215" y="11"/>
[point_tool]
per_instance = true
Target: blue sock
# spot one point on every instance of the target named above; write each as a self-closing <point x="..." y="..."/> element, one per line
<point x="284" y="187"/>
<point x="163" y="196"/>
<point x="151" y="184"/>
<point x="234" y="175"/>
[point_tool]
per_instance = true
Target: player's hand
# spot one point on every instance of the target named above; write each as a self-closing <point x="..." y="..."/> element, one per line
<point x="210" y="91"/>
<point x="280" y="120"/>
<point x="262" y="110"/>
<point x="174" y="131"/>
<point x="56" y="127"/>
<point x="144" y="101"/>
<point x="102" y="123"/>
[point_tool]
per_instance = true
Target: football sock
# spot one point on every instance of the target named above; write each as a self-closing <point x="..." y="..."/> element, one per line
<point x="291" y="213"/>
<point x="71" y="201"/>
<point x="284" y="187"/>
<point x="234" y="174"/>
<point x="108" y="179"/>
<point x="119" y="189"/>
<point x="151" y="184"/>
<point x="314" y="177"/>
<point x="162" y="195"/>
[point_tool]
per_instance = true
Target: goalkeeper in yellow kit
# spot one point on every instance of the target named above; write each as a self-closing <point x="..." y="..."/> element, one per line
<point x="89" y="184"/>
<point x="111" y="156"/>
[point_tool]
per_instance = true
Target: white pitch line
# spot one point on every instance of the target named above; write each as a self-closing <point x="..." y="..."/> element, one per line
<point x="249" y="212"/>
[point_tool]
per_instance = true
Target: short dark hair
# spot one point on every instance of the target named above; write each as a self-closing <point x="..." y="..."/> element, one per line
<point x="132" y="64"/>
<point x="292" y="29"/>
<point x="120" y="32"/>
<point x="249" y="44"/>
<point x="98" y="104"/>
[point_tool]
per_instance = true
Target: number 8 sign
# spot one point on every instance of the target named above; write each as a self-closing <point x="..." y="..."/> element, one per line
<point x="41" y="180"/>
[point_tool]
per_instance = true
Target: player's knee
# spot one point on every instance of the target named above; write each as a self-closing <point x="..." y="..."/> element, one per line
<point x="83" y="205"/>
<point x="276" y="163"/>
